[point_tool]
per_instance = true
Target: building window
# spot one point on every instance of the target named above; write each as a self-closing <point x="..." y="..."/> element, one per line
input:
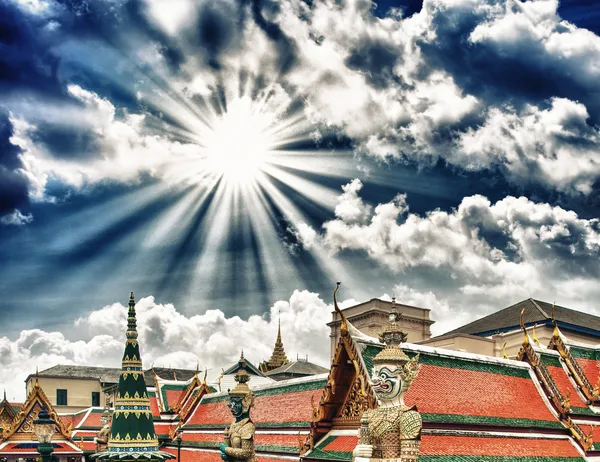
<point x="95" y="398"/>
<point x="61" y="397"/>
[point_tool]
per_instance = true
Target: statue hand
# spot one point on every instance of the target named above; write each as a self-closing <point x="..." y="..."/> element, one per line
<point x="363" y="450"/>
<point x="222" y="448"/>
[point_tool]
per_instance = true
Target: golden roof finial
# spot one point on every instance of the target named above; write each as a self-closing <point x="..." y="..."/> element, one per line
<point x="37" y="376"/>
<point x="344" y="325"/>
<point x="205" y="374"/>
<point x="220" y="378"/>
<point x="556" y="332"/>
<point x="526" y="336"/>
<point x="504" y="355"/>
<point x="535" y="339"/>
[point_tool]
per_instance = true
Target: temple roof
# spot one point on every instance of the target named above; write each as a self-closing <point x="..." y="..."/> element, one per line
<point x="466" y="389"/>
<point x="300" y="368"/>
<point x="285" y="404"/>
<point x="537" y="311"/>
<point x="110" y="375"/>
<point x="468" y="446"/>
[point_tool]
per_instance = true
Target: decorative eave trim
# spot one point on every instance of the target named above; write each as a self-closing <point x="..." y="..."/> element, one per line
<point x="323" y="415"/>
<point x="561" y="404"/>
<point x="591" y="393"/>
<point x="38" y="393"/>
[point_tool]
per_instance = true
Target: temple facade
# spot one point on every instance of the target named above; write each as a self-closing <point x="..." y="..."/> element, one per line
<point x="383" y="398"/>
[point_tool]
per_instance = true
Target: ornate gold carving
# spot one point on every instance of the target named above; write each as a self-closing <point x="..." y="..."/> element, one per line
<point x="357" y="401"/>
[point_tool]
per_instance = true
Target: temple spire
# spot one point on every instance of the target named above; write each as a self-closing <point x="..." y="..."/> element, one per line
<point x="278" y="357"/>
<point x="132" y="434"/>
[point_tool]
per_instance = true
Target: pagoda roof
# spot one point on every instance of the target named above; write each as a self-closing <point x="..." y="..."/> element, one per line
<point x="537" y="312"/>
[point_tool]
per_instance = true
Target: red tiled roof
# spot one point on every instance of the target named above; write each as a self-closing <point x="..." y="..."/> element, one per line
<point x="260" y="439"/>
<point x="446" y="390"/>
<point x="86" y="433"/>
<point x="173" y="397"/>
<point x="591" y="369"/>
<point x="595" y="432"/>
<point x="77" y="418"/>
<point x="286" y="407"/>
<point x="66" y="419"/>
<point x="92" y="420"/>
<point x="565" y="386"/>
<point x="446" y="445"/>
<point x="211" y="456"/>
<point x="342" y="444"/>
<point x="154" y="407"/>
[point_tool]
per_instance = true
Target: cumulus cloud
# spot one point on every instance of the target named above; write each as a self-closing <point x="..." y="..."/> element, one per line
<point x="478" y="255"/>
<point x="89" y="143"/>
<point x="169" y="338"/>
<point x="504" y="85"/>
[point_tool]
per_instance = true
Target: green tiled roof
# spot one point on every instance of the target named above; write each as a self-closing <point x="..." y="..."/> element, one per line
<point x="486" y="420"/>
<point x="370" y="351"/>
<point x="550" y="360"/>
<point x="318" y="453"/>
<point x="584" y="353"/>
<point x="294" y="424"/>
<point x="273" y="391"/>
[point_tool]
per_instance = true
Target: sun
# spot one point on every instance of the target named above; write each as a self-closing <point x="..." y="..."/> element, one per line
<point x="240" y="142"/>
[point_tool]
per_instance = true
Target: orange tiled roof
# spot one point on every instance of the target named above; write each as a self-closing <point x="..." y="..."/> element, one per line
<point x="591" y="369"/>
<point x="434" y="446"/>
<point x="189" y="455"/>
<point x="288" y="405"/>
<point x="154" y="405"/>
<point x="450" y="390"/>
<point x="263" y="441"/>
<point x="497" y="446"/>
<point x="91" y="419"/>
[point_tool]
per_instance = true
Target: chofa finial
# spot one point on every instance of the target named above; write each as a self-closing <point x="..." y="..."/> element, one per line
<point x="344" y="325"/>
<point x="526" y="336"/>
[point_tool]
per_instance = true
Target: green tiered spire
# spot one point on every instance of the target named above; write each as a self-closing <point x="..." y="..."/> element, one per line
<point x="132" y="434"/>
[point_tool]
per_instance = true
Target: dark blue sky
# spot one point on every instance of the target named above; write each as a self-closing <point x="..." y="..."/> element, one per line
<point x="109" y="174"/>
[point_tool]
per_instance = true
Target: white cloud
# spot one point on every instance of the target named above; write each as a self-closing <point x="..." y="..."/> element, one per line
<point x="169" y="338"/>
<point x="117" y="148"/>
<point x="554" y="146"/>
<point x="480" y="255"/>
<point x="16" y="218"/>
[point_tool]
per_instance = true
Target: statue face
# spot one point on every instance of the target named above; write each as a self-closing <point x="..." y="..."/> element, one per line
<point x="236" y="407"/>
<point x="386" y="382"/>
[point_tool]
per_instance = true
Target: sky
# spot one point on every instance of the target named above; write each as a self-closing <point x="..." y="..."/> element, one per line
<point x="229" y="161"/>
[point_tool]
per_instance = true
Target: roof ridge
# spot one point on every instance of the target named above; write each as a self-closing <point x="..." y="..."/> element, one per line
<point x="479" y="319"/>
<point x="539" y="307"/>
